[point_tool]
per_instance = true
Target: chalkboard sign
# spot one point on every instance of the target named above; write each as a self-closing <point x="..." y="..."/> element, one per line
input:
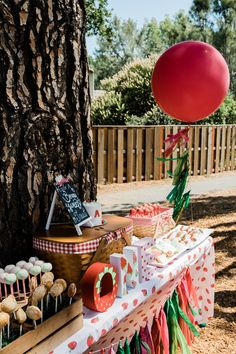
<point x="72" y="203"/>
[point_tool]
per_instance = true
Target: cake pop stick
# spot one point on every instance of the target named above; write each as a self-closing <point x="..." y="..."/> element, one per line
<point x="35" y="270"/>
<point x="10" y="280"/>
<point x="55" y="291"/>
<point x="71" y="291"/>
<point x="9" y="306"/>
<point x="21" y="318"/>
<point x="4" y="320"/>
<point x="38" y="295"/>
<point x="34" y="314"/>
<point x="22" y="275"/>
<point x="3" y="281"/>
<point x="32" y="284"/>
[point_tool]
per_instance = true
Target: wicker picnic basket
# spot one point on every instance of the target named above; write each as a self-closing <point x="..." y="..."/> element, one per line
<point x="155" y="226"/>
<point x="71" y="254"/>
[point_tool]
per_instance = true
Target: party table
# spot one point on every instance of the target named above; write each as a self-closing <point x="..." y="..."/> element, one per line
<point x="138" y="307"/>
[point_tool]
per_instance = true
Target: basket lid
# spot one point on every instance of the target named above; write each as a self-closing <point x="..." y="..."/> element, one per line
<point x="64" y="233"/>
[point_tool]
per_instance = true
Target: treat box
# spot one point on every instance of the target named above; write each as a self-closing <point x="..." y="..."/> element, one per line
<point x="52" y="332"/>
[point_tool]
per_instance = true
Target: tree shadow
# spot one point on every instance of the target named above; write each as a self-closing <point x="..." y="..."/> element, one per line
<point x="210" y="206"/>
<point x="226" y="298"/>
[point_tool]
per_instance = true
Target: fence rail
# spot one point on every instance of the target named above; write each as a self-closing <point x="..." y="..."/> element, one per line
<point x="128" y="154"/>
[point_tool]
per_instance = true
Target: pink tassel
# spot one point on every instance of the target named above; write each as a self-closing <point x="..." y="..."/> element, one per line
<point x="164" y="331"/>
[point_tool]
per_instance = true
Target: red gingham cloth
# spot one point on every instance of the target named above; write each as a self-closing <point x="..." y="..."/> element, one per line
<point x="77" y="248"/>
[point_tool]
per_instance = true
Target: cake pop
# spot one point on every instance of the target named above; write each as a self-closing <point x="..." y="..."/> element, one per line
<point x="4" y="321"/>
<point x="22" y="275"/>
<point x="35" y="270"/>
<point x="71" y="291"/>
<point x="34" y="313"/>
<point x="9" y="306"/>
<point x="55" y="291"/>
<point x="33" y="259"/>
<point x="10" y="279"/>
<point x="38" y="295"/>
<point x="21" y="318"/>
<point x="64" y="285"/>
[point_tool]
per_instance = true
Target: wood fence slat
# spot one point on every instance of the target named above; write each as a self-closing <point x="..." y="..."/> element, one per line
<point x="110" y="157"/>
<point x="195" y="152"/>
<point x="222" y="154"/>
<point x="139" y="154"/>
<point x="209" y="151"/>
<point x="148" y="154"/>
<point x="130" y="154"/>
<point x="233" y="148"/>
<point x="190" y="148"/>
<point x="218" y="139"/>
<point x="228" y="141"/>
<point x="156" y="145"/>
<point x="100" y="156"/>
<point x="167" y="164"/>
<point x="203" y="151"/>
<point x="175" y="152"/>
<point x="120" y="159"/>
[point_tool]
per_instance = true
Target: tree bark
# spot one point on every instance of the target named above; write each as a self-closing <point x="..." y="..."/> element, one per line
<point x="44" y="114"/>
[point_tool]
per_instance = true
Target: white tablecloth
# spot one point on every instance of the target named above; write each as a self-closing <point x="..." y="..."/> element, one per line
<point x="162" y="282"/>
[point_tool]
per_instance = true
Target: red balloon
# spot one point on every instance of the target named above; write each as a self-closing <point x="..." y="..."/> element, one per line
<point x="190" y="80"/>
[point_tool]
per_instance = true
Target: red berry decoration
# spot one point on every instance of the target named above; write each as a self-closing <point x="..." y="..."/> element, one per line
<point x="135" y="302"/>
<point x="72" y="345"/>
<point x="90" y="340"/>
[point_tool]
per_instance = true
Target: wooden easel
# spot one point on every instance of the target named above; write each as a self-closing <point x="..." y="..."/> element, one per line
<point x="51" y="211"/>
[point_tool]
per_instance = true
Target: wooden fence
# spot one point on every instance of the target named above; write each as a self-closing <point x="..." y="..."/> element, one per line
<point x="127" y="154"/>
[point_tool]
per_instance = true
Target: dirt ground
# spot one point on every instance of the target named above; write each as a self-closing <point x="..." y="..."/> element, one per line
<point x="217" y="211"/>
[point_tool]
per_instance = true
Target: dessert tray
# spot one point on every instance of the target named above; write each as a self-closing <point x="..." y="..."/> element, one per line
<point x="182" y="238"/>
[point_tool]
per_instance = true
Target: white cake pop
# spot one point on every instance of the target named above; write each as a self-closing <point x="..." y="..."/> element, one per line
<point x="35" y="270"/>
<point x="20" y="264"/>
<point x="15" y="270"/>
<point x="22" y="275"/>
<point x="10" y="280"/>
<point x="33" y="259"/>
<point x="2" y="271"/>
<point x="39" y="263"/>
<point x="3" y="281"/>
<point x="9" y="267"/>
<point x="28" y="266"/>
<point x="46" y="267"/>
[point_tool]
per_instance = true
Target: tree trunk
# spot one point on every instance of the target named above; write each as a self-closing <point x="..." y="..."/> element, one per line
<point x="44" y="114"/>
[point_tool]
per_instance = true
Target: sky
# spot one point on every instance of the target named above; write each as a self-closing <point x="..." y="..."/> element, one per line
<point x="139" y="10"/>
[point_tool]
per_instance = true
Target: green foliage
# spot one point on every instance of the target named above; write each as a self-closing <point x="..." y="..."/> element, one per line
<point x="98" y="18"/>
<point x="226" y="114"/>
<point x="108" y="109"/>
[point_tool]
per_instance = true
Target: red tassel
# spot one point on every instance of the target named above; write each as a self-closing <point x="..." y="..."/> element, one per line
<point x="173" y="139"/>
